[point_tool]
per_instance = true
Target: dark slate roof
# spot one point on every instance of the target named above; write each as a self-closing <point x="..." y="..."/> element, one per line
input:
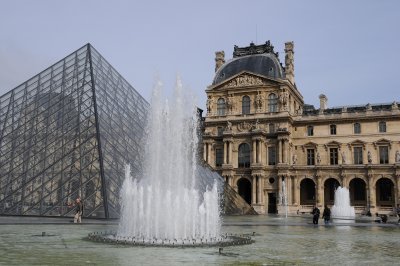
<point x="263" y="64"/>
<point x="310" y="109"/>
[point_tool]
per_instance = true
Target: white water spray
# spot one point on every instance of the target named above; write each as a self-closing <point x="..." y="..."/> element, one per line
<point x="166" y="205"/>
<point x="342" y="208"/>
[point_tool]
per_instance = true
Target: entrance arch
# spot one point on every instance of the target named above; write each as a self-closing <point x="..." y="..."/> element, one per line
<point x="384" y="192"/>
<point x="244" y="189"/>
<point x="330" y="186"/>
<point x="358" y="192"/>
<point x="307" y="192"/>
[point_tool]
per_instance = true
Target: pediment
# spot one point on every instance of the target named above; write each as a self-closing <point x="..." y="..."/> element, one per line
<point x="357" y="142"/>
<point x="331" y="144"/>
<point x="245" y="79"/>
<point x="310" y="144"/>
<point x="382" y="142"/>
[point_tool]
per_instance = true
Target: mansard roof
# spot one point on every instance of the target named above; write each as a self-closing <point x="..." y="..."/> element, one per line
<point x="258" y="59"/>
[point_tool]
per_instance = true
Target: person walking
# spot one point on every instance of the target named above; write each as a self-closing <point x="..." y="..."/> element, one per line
<point x="79" y="211"/>
<point x="398" y="212"/>
<point x="315" y="213"/>
<point x="326" y="214"/>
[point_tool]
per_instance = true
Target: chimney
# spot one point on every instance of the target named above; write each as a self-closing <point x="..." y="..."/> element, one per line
<point x="289" y="61"/>
<point x="323" y="103"/>
<point x="219" y="59"/>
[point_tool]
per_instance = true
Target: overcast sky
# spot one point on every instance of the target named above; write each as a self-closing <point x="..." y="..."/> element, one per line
<point x="348" y="50"/>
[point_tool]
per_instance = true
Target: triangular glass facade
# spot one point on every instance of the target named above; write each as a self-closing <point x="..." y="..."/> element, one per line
<point x="67" y="132"/>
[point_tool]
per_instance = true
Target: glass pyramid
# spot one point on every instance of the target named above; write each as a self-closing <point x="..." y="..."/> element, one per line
<point x="68" y="132"/>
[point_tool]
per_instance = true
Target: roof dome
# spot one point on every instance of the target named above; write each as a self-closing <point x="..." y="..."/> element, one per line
<point x="257" y="59"/>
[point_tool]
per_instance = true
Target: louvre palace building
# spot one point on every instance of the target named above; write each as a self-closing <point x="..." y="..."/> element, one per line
<point x="278" y="152"/>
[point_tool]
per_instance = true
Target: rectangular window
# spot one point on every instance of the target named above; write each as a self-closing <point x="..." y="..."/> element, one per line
<point x="383" y="154"/>
<point x="358" y="155"/>
<point x="271" y="128"/>
<point x="219" y="157"/>
<point x="310" y="157"/>
<point x="220" y="131"/>
<point x="333" y="155"/>
<point x="333" y="129"/>
<point x="382" y="127"/>
<point x="310" y="131"/>
<point x="271" y="155"/>
<point x="357" y="128"/>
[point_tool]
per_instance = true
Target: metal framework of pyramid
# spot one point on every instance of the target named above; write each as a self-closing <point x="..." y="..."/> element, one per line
<point x="68" y="132"/>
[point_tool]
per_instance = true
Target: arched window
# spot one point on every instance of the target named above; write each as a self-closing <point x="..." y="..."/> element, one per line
<point x="245" y="105"/>
<point x="272" y="103"/>
<point x="244" y="155"/>
<point x="221" y="106"/>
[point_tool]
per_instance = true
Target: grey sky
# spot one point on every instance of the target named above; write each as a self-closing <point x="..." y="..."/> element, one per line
<point x="347" y="50"/>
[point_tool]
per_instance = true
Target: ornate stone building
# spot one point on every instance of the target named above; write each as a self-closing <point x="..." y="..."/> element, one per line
<point x="277" y="151"/>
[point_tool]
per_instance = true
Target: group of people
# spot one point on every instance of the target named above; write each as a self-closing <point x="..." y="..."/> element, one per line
<point x="326" y="215"/>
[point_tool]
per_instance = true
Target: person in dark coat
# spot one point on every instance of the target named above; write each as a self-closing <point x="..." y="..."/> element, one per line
<point x="79" y="211"/>
<point x="315" y="212"/>
<point x="326" y="214"/>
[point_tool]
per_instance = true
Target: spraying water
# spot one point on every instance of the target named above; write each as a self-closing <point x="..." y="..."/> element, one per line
<point x="284" y="197"/>
<point x="342" y="207"/>
<point x="165" y="204"/>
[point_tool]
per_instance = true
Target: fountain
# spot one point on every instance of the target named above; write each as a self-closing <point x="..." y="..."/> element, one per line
<point x="167" y="206"/>
<point x="284" y="197"/>
<point x="341" y="209"/>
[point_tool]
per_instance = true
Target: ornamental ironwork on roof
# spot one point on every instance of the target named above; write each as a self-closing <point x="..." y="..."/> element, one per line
<point x="254" y="49"/>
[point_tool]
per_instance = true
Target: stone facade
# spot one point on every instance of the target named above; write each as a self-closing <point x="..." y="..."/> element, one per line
<point x="277" y="151"/>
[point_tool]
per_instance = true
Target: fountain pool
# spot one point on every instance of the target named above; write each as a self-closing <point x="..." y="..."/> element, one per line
<point x="278" y="241"/>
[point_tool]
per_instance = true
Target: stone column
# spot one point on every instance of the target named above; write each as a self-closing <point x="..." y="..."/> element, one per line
<point x="317" y="190"/>
<point x="296" y="187"/>
<point x="259" y="189"/>
<point x="254" y="151"/>
<point x="225" y="151"/>
<point x="230" y="152"/>
<point x="230" y="180"/>
<point x="205" y="150"/>
<point x="253" y="190"/>
<point x="279" y="151"/>
<point x="368" y="194"/>
<point x="284" y="150"/>
<point x="209" y="153"/>
<point x="280" y="190"/>
<point x="262" y="150"/>
<point x="397" y="178"/>
<point x="372" y="193"/>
